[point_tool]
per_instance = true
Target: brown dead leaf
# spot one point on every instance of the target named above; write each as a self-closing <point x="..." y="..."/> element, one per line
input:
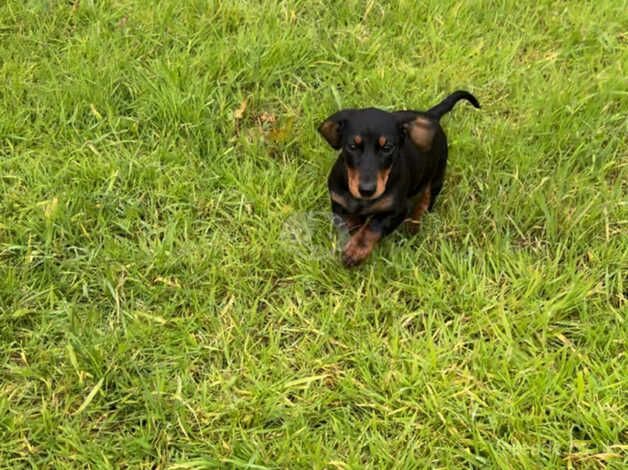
<point x="267" y="118"/>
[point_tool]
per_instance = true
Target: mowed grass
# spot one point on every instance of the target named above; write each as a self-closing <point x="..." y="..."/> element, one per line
<point x="169" y="297"/>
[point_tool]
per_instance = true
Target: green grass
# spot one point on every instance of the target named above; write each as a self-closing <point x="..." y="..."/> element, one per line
<point x="154" y="314"/>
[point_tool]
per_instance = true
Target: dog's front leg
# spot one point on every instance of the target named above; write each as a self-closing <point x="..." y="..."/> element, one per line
<point x="360" y="245"/>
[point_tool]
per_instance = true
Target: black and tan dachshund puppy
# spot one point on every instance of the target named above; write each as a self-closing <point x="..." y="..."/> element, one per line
<point x="390" y="169"/>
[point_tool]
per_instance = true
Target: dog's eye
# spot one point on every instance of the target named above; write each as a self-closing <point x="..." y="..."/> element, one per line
<point x="387" y="148"/>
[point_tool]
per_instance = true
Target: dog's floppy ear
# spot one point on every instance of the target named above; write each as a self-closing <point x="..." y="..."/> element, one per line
<point x="331" y="128"/>
<point x="420" y="129"/>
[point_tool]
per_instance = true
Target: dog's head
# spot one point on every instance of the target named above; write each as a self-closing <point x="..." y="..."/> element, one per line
<point x="370" y="141"/>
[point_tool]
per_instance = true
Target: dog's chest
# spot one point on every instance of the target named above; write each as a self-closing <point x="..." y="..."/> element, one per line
<point x="384" y="203"/>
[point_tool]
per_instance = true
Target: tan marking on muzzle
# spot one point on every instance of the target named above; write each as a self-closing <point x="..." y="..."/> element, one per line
<point x="382" y="179"/>
<point x="353" y="182"/>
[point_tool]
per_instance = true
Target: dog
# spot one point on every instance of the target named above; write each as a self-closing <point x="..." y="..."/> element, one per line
<point x="390" y="169"/>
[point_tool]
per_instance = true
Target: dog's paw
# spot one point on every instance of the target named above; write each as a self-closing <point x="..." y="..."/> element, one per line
<point x="355" y="252"/>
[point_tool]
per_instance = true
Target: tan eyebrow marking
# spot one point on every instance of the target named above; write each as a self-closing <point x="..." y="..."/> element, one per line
<point x="381" y="141"/>
<point x="357" y="139"/>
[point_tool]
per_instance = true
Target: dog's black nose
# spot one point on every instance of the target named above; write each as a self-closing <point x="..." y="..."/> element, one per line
<point x="367" y="189"/>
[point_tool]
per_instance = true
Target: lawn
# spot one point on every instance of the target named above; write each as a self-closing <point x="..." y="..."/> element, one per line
<point x="171" y="292"/>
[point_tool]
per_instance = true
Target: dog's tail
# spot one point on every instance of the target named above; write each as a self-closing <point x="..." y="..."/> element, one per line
<point x="448" y="103"/>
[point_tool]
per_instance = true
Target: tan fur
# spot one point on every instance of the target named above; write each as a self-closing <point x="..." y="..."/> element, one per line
<point x="382" y="179"/>
<point x="357" y="139"/>
<point x="384" y="204"/>
<point x="329" y="130"/>
<point x="421" y="132"/>
<point x="339" y="199"/>
<point x="360" y="245"/>
<point x="353" y="182"/>
<point x="420" y="209"/>
<point x="381" y="141"/>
